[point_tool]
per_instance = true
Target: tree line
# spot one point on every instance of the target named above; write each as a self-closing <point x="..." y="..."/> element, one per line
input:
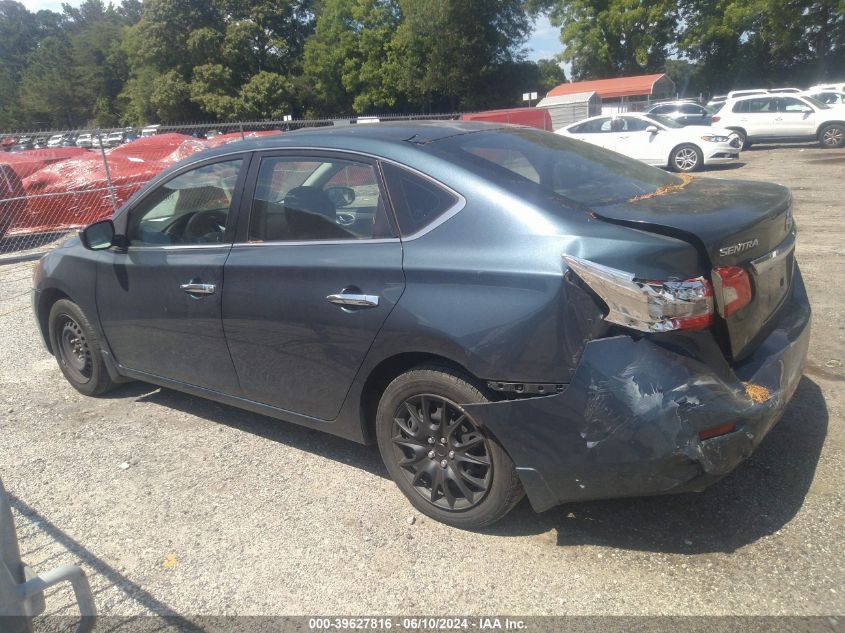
<point x="169" y="61"/>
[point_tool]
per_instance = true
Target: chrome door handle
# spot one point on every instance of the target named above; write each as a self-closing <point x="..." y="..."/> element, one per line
<point x="199" y="289"/>
<point x="359" y="301"/>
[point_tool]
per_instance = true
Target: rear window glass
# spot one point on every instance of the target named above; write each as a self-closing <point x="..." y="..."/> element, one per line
<point x="417" y="201"/>
<point x="561" y="166"/>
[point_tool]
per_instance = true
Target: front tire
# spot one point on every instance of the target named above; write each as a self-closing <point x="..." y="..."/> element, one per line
<point x="77" y="349"/>
<point x="832" y="136"/>
<point x="440" y="457"/>
<point x="686" y="158"/>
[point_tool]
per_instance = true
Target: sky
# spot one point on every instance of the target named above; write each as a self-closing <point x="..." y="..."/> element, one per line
<point x="543" y="43"/>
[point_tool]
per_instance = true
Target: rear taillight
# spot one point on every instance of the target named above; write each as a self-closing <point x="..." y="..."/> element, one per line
<point x="716" y="118"/>
<point x="733" y="287"/>
<point x="647" y="305"/>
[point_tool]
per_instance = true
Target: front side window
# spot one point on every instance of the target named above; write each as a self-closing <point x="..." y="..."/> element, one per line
<point x="313" y="199"/>
<point x="192" y="208"/>
<point x="630" y="124"/>
<point x="595" y="126"/>
<point x="789" y="104"/>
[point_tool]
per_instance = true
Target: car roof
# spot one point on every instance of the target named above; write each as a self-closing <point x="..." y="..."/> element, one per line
<point x="385" y="139"/>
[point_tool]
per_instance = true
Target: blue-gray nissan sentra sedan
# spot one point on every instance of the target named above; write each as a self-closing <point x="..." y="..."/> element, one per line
<point x="504" y="310"/>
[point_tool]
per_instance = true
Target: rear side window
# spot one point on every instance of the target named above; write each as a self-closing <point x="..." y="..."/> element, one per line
<point x="568" y="169"/>
<point x="417" y="201"/>
<point x="316" y="199"/>
<point x="690" y="108"/>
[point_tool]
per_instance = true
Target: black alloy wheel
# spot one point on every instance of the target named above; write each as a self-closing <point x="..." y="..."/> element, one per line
<point x="442" y="452"/>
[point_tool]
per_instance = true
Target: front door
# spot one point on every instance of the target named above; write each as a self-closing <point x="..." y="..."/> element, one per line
<point x="795" y="117"/>
<point x="160" y="301"/>
<point x="311" y="280"/>
<point x="630" y="137"/>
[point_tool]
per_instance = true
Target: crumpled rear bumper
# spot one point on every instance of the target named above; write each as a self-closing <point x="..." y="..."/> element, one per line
<point x="628" y="422"/>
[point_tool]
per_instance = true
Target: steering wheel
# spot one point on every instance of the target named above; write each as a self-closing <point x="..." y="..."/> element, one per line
<point x="205" y="226"/>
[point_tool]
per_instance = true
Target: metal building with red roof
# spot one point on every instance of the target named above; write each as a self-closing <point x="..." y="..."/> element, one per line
<point x="645" y="86"/>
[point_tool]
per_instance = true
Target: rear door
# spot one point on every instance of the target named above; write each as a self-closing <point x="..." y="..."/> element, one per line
<point x="595" y="131"/>
<point x="315" y="272"/>
<point x="759" y="117"/>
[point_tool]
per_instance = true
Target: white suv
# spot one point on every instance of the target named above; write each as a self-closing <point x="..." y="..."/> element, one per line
<point x="783" y="117"/>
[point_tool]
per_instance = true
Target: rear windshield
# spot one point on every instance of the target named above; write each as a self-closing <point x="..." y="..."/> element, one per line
<point x="522" y="160"/>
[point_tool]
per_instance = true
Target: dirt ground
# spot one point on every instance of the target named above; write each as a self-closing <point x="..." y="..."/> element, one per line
<point x="180" y="506"/>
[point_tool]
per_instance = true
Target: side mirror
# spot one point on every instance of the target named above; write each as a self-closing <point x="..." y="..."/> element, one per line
<point x="652" y="129"/>
<point x="341" y="196"/>
<point x="98" y="236"/>
<point x="808" y="110"/>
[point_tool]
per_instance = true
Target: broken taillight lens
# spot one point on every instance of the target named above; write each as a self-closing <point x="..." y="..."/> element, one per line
<point x="734" y="287"/>
<point x="647" y="305"/>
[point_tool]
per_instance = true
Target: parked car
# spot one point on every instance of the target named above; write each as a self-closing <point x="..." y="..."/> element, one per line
<point x="85" y="140"/>
<point x="683" y="112"/>
<point x="40" y="142"/>
<point x="783" y="118"/>
<point x="836" y="86"/>
<point x="828" y="97"/>
<point x="60" y="140"/>
<point x="658" y="140"/>
<point x="500" y="309"/>
<point x="22" y="147"/>
<point x="150" y="130"/>
<point x="114" y="139"/>
<point x="99" y="140"/>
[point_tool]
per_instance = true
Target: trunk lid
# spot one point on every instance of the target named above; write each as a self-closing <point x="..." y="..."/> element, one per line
<point x="732" y="223"/>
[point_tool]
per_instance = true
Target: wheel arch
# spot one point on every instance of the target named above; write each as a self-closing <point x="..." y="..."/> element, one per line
<point x="827" y="124"/>
<point x="392" y="367"/>
<point x="46" y="300"/>
<point x="700" y="151"/>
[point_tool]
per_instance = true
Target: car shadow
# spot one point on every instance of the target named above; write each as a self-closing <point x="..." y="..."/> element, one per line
<point x="320" y="443"/>
<point x="718" y="168"/>
<point x="759" y="498"/>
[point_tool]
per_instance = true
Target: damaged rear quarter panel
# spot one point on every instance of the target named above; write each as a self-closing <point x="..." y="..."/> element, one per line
<point x="628" y="422"/>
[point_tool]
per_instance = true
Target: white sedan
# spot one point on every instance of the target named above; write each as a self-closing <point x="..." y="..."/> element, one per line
<point x="658" y="140"/>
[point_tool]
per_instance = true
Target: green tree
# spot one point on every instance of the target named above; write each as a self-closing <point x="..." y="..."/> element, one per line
<point x="611" y="38"/>
<point x="743" y="43"/>
<point x="346" y="57"/>
<point x="18" y="36"/>
<point x="549" y="74"/>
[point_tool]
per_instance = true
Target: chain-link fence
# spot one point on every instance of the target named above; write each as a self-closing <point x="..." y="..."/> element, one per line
<point x="52" y="183"/>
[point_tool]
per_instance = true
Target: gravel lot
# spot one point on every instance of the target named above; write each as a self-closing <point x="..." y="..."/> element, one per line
<point x="181" y="506"/>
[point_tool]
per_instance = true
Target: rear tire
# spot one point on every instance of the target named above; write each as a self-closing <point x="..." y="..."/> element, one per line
<point x="468" y="480"/>
<point x="77" y="349"/>
<point x="832" y="136"/>
<point x="686" y="158"/>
